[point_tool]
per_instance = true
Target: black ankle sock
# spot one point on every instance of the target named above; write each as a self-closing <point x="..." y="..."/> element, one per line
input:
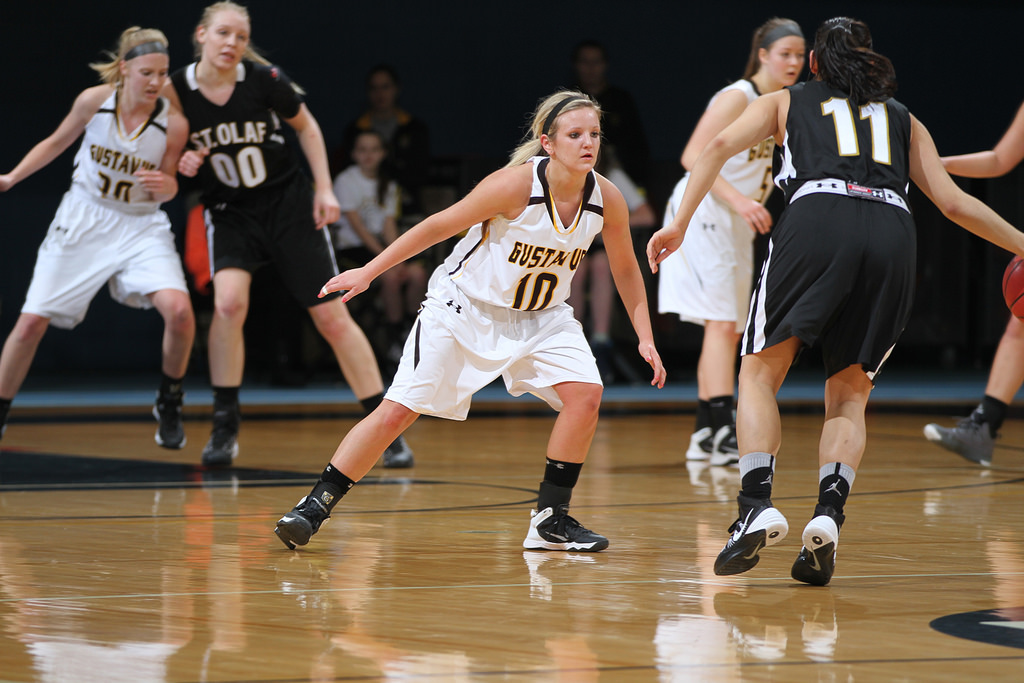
<point x="370" y="403"/>
<point x="703" y="415"/>
<point x="225" y="397"/>
<point x="171" y="386"/>
<point x="992" y="412"/>
<point x="834" y="483"/>
<point x="5" y="408"/>
<point x="756" y="473"/>
<point x="333" y="482"/>
<point x="551" y="496"/>
<point x="564" y="474"/>
<point x="225" y="407"/>
<point x="721" y="411"/>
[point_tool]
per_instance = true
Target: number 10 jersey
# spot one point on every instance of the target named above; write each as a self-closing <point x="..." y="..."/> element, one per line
<point x="527" y="263"/>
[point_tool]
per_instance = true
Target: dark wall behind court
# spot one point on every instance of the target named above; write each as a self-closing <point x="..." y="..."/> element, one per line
<point x="473" y="71"/>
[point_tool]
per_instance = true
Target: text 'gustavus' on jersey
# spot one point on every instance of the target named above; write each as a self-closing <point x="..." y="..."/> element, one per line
<point x="533" y="256"/>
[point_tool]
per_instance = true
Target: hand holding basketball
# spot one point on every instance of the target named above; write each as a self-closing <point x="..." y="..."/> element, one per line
<point x="1013" y="287"/>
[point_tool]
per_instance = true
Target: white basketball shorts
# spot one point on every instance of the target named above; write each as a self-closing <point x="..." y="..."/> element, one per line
<point x="89" y="244"/>
<point x="459" y="345"/>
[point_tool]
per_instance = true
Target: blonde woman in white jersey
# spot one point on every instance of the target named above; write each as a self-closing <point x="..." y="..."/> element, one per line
<point x="109" y="228"/>
<point x="708" y="281"/>
<point x="496" y="308"/>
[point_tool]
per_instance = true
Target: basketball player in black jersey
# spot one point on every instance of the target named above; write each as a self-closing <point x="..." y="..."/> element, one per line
<point x="839" y="271"/>
<point x="260" y="208"/>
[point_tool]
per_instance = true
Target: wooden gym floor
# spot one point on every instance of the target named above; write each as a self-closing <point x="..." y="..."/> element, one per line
<point x="122" y="561"/>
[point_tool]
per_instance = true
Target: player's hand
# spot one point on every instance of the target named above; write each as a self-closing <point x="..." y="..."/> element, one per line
<point x="156" y="183"/>
<point x="661" y="244"/>
<point x="650" y="354"/>
<point x="326" y="209"/>
<point x="352" y="282"/>
<point x="190" y="161"/>
<point x="6" y="182"/>
<point x="756" y="216"/>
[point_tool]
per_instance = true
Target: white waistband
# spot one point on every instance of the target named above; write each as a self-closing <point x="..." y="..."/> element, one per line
<point x="836" y="186"/>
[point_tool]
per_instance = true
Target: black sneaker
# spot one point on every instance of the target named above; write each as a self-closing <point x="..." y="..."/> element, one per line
<point x="554" y="529"/>
<point x="171" y="430"/>
<point x="305" y="519"/>
<point x="759" y="525"/>
<point x="701" y="444"/>
<point x="398" y="455"/>
<point x="969" y="439"/>
<point x="4" y="411"/>
<point x="724" y="451"/>
<point x="817" y="559"/>
<point x="222" y="447"/>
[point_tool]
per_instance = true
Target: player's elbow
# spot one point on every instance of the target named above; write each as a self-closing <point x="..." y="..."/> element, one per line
<point x="956" y="207"/>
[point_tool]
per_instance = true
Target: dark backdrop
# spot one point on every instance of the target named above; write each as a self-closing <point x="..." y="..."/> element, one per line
<point x="473" y="71"/>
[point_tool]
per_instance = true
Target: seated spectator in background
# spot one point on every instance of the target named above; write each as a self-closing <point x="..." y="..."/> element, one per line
<point x="593" y="290"/>
<point x="369" y="205"/>
<point x="620" y="120"/>
<point x="407" y="138"/>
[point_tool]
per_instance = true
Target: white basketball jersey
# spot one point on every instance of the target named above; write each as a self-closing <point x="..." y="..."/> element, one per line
<point x="527" y="263"/>
<point x="109" y="156"/>
<point x="750" y="171"/>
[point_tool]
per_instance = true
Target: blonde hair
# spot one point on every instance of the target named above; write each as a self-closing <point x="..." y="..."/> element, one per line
<point x="110" y="71"/>
<point x="251" y="53"/>
<point x="555" y="104"/>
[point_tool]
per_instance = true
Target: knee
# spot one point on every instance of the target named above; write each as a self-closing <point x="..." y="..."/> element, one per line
<point x="30" y="328"/>
<point x="179" y="317"/>
<point x="394" y="417"/>
<point x="586" y="401"/>
<point x="232" y="309"/>
<point x="333" y="320"/>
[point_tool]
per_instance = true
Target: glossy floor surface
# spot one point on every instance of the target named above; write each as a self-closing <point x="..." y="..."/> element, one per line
<point x="121" y="561"/>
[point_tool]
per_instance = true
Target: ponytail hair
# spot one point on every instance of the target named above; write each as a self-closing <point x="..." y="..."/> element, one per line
<point x="545" y="122"/>
<point x="765" y="36"/>
<point x="845" y="61"/>
<point x="147" y="40"/>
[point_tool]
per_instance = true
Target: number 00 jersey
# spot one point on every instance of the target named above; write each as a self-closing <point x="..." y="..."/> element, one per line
<point x="247" y="149"/>
<point x="828" y="137"/>
<point x="527" y="263"/>
<point x="109" y="156"/>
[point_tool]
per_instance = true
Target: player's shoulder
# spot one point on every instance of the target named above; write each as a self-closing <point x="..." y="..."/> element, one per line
<point x="94" y="97"/>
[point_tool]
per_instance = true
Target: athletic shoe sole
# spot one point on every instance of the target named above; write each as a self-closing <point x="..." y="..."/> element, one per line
<point x="817" y="559"/>
<point x="742" y="552"/>
<point x="293" y="530"/>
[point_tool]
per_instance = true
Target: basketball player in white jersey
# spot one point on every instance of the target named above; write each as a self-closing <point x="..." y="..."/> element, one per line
<point x="109" y="228"/>
<point x="707" y="282"/>
<point x="496" y="308"/>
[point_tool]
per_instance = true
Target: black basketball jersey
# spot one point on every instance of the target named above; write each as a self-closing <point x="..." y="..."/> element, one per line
<point x="248" y="152"/>
<point x="828" y="137"/>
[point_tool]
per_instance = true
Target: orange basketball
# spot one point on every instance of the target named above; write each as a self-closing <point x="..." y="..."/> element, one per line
<point x="1013" y="287"/>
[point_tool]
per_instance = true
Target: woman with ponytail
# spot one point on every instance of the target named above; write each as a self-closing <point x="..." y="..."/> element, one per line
<point x="496" y="308"/>
<point x="109" y="229"/>
<point x="839" y="271"/>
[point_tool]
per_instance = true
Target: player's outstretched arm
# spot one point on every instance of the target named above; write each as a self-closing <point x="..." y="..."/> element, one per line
<point x="928" y="173"/>
<point x="85" y="107"/>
